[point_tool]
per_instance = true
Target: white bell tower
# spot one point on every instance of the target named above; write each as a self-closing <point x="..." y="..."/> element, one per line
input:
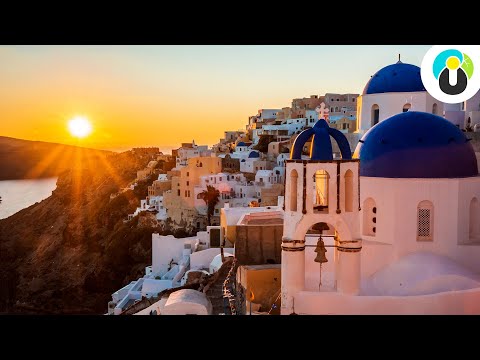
<point x="320" y="190"/>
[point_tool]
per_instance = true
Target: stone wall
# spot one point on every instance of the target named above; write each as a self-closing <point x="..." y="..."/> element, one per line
<point x="270" y="195"/>
<point x="258" y="244"/>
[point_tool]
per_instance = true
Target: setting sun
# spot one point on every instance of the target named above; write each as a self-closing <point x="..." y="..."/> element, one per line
<point x="80" y="127"/>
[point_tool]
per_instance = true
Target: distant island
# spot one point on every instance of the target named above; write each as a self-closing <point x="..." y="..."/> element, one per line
<point x="24" y="159"/>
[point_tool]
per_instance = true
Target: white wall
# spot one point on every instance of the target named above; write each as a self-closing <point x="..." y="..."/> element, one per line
<point x="447" y="303"/>
<point x="456" y="118"/>
<point x="202" y="259"/>
<point x="247" y="165"/>
<point x="392" y="104"/>
<point x="151" y="287"/>
<point x="397" y="200"/>
<point x="292" y="128"/>
<point x="268" y="113"/>
<point x="166" y="248"/>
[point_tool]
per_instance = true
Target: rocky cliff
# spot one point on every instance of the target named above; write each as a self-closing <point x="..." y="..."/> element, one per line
<point x="68" y="253"/>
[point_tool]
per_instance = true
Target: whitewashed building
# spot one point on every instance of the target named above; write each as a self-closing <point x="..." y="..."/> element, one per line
<point x="399" y="221"/>
<point x="394" y="89"/>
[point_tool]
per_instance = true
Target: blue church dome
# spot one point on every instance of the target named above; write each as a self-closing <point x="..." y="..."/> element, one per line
<point x="241" y="143"/>
<point x="416" y="145"/>
<point x="254" y="154"/>
<point x="397" y="77"/>
<point x="321" y="148"/>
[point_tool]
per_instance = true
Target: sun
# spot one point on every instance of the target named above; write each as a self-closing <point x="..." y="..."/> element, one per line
<point x="80" y="127"/>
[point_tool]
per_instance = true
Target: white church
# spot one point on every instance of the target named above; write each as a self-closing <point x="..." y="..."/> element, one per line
<point x="398" y="88"/>
<point x="393" y="228"/>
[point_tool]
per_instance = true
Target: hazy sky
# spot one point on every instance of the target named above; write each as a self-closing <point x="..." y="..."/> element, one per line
<point x="164" y="95"/>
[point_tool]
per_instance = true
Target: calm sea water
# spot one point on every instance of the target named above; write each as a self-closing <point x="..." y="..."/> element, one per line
<point x="19" y="194"/>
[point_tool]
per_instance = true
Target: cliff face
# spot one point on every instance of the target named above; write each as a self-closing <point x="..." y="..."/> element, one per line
<point x="68" y="253"/>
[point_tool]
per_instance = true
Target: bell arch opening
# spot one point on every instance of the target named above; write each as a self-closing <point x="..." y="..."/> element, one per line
<point x="321" y="180"/>
<point x="320" y="257"/>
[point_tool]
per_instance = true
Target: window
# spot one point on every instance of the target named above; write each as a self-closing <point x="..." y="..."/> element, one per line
<point x="348" y="191"/>
<point x="434" y="109"/>
<point x="369" y="217"/>
<point x="188" y="193"/>
<point x="425" y="221"/>
<point x="406" y="107"/>
<point x="353" y="99"/>
<point x="320" y="203"/>
<point x="185" y="193"/>
<point x="188" y="174"/>
<point x="375" y="114"/>
<point x="188" y="183"/>
<point x="474" y="221"/>
<point x="178" y="192"/>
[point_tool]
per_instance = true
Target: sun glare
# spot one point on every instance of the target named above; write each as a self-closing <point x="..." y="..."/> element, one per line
<point x="79" y="127"/>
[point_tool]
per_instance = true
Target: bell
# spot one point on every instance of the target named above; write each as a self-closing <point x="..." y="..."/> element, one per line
<point x="320" y="250"/>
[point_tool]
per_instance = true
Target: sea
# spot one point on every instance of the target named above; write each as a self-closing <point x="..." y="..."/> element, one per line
<point x="20" y="194"/>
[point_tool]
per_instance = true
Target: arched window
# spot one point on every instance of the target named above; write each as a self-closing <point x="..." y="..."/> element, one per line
<point x="474" y="221"/>
<point x="349" y="191"/>
<point x="425" y="221"/>
<point x="320" y="202"/>
<point x="293" y="190"/>
<point x="434" y="109"/>
<point x="406" y="107"/>
<point x="375" y="114"/>
<point x="369" y="217"/>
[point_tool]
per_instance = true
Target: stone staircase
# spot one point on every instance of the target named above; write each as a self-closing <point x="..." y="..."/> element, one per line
<point x="215" y="291"/>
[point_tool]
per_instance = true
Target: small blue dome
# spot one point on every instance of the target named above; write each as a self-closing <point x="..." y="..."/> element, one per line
<point x="253" y="154"/>
<point x="241" y="143"/>
<point x="321" y="148"/>
<point x="397" y="77"/>
<point x="416" y="145"/>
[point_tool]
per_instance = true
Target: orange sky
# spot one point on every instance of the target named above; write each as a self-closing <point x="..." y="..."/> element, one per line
<point x="164" y="95"/>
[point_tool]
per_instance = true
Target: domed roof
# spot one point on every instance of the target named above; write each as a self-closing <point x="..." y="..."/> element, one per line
<point x="254" y="154"/>
<point x="399" y="77"/>
<point x="416" y="145"/>
<point x="321" y="148"/>
<point x="241" y="143"/>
